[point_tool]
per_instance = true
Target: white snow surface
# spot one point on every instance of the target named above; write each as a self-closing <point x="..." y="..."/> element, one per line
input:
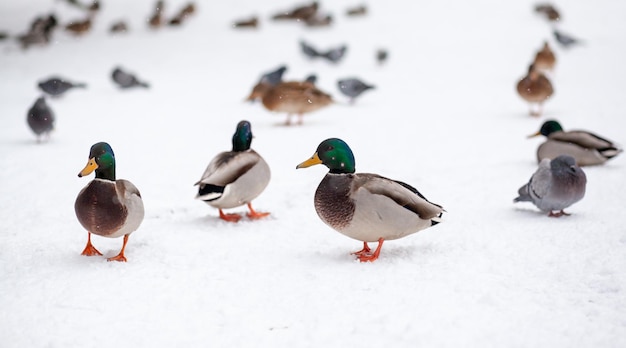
<point x="444" y="117"/>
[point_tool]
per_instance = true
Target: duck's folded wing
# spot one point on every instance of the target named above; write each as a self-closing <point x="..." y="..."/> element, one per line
<point x="584" y="139"/>
<point x="226" y="167"/>
<point x="403" y="194"/>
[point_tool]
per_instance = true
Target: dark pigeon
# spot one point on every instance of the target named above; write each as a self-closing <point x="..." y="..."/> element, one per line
<point x="40" y="118"/>
<point x="57" y="86"/>
<point x="127" y="80"/>
<point x="353" y="88"/>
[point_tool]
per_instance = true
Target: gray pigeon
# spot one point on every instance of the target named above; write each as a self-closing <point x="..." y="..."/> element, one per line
<point x="556" y="185"/>
<point x="311" y="78"/>
<point x="353" y="87"/>
<point x="57" y="86"/>
<point x="127" y="80"/>
<point x="274" y="77"/>
<point x="308" y="50"/>
<point x="336" y="54"/>
<point x="564" y="39"/>
<point x="40" y="118"/>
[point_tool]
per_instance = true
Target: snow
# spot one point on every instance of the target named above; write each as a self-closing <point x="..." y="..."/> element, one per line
<point x="444" y="117"/>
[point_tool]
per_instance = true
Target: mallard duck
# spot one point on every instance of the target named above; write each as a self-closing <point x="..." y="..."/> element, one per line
<point x="156" y="19"/>
<point x="234" y="178"/>
<point x="549" y="11"/>
<point x="556" y="185"/>
<point x="545" y="59"/>
<point x="251" y="22"/>
<point x="300" y="13"/>
<point x="586" y="147"/>
<point x="80" y="27"/>
<point x="367" y="207"/>
<point x="295" y="98"/>
<point x="535" y="88"/>
<point x="106" y="206"/>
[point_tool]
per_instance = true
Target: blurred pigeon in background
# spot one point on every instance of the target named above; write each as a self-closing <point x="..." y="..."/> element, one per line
<point x="127" y="80"/>
<point x="336" y="54"/>
<point x="565" y="40"/>
<point x="353" y="88"/>
<point x="267" y="81"/>
<point x="308" y="50"/>
<point x="56" y="86"/>
<point x="40" y="119"/>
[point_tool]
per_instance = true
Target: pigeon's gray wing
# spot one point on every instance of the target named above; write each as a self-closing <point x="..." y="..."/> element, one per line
<point x="541" y="181"/>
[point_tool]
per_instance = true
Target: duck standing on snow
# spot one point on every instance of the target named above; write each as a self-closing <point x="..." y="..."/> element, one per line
<point x="234" y="178"/>
<point x="40" y="118"/>
<point x="556" y="185"/>
<point x="586" y="148"/>
<point x="295" y="98"/>
<point x="106" y="206"/>
<point x="535" y="88"/>
<point x="367" y="207"/>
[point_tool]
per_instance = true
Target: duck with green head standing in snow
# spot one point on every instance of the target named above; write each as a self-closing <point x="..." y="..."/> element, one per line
<point x="367" y="207"/>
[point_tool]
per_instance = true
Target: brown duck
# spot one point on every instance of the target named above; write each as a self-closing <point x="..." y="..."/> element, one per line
<point x="535" y="88"/>
<point x="545" y="58"/>
<point x="295" y="98"/>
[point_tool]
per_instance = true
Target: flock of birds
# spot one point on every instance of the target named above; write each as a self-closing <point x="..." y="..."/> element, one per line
<point x="559" y="181"/>
<point x="363" y="206"/>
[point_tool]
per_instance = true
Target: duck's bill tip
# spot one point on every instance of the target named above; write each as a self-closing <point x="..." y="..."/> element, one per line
<point x="310" y="162"/>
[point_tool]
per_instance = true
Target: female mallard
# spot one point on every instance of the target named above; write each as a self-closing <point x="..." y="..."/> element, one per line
<point x="586" y="148"/>
<point x="234" y="178"/>
<point x="535" y="88"/>
<point x="295" y="98"/>
<point x="545" y="59"/>
<point x="107" y="207"/>
<point x="367" y="207"/>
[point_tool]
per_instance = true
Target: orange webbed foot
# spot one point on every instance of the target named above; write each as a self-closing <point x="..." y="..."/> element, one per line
<point x="366" y="249"/>
<point x="229" y="217"/>
<point x="366" y="256"/>
<point x="253" y="214"/>
<point x="120" y="257"/>
<point x="90" y="250"/>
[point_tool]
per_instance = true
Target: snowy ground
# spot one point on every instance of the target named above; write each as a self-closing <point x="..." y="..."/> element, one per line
<point x="444" y="118"/>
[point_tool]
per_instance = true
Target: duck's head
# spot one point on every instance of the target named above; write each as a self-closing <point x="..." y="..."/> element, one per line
<point x="242" y="137"/>
<point x="102" y="160"/>
<point x="335" y="154"/>
<point x="548" y="128"/>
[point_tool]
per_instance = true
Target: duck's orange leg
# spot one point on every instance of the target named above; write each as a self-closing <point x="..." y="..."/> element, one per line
<point x="253" y="214"/>
<point x="89" y="248"/>
<point x="120" y="257"/>
<point x="366" y="249"/>
<point x="229" y="217"/>
<point x="367" y="257"/>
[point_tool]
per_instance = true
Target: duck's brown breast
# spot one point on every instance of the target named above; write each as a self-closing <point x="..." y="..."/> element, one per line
<point x="99" y="209"/>
<point x="332" y="201"/>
